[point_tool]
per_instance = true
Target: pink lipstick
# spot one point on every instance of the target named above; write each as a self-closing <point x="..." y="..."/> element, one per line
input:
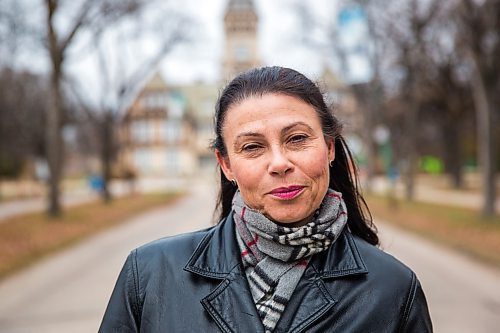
<point x="287" y="193"/>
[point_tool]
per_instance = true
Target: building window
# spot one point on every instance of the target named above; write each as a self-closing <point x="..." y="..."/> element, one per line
<point x="172" y="132"/>
<point x="172" y="162"/>
<point x="176" y="105"/>
<point x="140" y="130"/>
<point x="142" y="159"/>
<point x="155" y="100"/>
<point x="207" y="107"/>
<point x="242" y="53"/>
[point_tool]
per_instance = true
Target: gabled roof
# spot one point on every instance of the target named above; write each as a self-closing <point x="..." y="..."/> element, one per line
<point x="155" y="83"/>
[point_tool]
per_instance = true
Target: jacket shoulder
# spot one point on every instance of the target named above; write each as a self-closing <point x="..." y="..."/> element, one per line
<point x="379" y="262"/>
<point x="396" y="279"/>
<point x="171" y="248"/>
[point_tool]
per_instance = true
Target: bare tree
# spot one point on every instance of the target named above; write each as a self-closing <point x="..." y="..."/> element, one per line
<point x="473" y="28"/>
<point x="22" y="119"/>
<point x="479" y="24"/>
<point x="448" y="100"/>
<point x="435" y="49"/>
<point x="119" y="85"/>
<point x="90" y="14"/>
<point x="325" y="36"/>
<point x="397" y="35"/>
<point x="409" y="35"/>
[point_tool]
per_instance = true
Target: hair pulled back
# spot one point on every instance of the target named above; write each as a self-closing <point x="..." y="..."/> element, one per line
<point x="285" y="81"/>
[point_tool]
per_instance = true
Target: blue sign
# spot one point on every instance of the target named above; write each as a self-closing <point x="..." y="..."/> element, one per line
<point x="352" y="14"/>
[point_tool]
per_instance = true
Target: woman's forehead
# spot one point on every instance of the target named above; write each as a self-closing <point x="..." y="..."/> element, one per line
<point x="267" y="103"/>
<point x="270" y="111"/>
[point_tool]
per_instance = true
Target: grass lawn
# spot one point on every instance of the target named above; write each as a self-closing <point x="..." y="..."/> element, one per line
<point x="459" y="228"/>
<point x="26" y="238"/>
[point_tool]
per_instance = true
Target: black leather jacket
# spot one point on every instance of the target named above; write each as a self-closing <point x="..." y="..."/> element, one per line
<point x="195" y="283"/>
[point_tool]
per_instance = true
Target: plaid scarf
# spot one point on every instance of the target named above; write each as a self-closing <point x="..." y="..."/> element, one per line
<point x="275" y="257"/>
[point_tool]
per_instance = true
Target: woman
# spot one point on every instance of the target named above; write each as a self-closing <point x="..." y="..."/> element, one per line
<point x="293" y="251"/>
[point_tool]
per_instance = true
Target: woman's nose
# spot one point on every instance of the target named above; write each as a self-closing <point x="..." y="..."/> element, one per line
<point x="279" y="164"/>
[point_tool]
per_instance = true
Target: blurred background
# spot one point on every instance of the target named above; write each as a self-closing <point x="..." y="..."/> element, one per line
<point x="106" y="118"/>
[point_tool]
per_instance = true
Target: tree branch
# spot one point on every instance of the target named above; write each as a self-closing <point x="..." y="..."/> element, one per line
<point x="80" y="21"/>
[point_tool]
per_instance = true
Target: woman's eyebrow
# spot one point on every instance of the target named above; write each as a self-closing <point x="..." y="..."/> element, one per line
<point x="286" y="129"/>
<point x="246" y="134"/>
<point x="243" y="135"/>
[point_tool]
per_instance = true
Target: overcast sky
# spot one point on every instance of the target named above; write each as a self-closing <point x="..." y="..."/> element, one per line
<point x="278" y="40"/>
<point x="279" y="37"/>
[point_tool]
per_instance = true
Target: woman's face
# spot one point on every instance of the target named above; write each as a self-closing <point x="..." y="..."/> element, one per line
<point x="278" y="155"/>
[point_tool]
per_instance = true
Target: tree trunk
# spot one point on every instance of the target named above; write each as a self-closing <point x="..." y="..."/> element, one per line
<point x="373" y="110"/>
<point x="53" y="136"/>
<point x="106" y="154"/>
<point x="452" y="152"/>
<point x="411" y="154"/>
<point x="54" y="151"/>
<point x="371" y="164"/>
<point x="371" y="154"/>
<point x="483" y="100"/>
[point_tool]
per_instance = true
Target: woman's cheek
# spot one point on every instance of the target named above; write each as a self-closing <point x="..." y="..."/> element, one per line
<point x="316" y="168"/>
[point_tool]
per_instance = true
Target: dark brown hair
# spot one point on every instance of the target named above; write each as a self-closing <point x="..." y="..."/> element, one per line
<point x="343" y="172"/>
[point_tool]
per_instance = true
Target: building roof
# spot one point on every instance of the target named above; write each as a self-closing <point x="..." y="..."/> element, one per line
<point x="240" y="5"/>
<point x="156" y="83"/>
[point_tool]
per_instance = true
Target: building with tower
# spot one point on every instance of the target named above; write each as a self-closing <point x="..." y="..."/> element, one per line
<point x="240" y="27"/>
<point x="167" y="129"/>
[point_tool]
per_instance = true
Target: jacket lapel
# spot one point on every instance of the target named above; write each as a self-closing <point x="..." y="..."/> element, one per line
<point x="232" y="307"/>
<point x="309" y="302"/>
<point x="311" y="298"/>
<point x="230" y="304"/>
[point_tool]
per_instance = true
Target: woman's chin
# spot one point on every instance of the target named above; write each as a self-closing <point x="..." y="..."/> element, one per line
<point x="290" y="221"/>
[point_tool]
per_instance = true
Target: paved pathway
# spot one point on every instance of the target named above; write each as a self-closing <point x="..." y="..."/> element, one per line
<point x="23" y="206"/>
<point x="426" y="193"/>
<point x="463" y="296"/>
<point x="83" y="195"/>
<point x="69" y="291"/>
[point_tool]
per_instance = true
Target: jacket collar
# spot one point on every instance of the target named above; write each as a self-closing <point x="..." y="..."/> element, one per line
<point x="217" y="255"/>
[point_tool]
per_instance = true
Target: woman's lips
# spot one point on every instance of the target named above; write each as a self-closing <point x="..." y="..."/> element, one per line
<point x="287" y="193"/>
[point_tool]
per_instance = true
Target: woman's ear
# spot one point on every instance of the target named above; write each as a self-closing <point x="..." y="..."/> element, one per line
<point x="331" y="149"/>
<point x="224" y="164"/>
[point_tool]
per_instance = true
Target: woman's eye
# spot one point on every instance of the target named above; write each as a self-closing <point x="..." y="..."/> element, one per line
<point x="251" y="147"/>
<point x="297" y="138"/>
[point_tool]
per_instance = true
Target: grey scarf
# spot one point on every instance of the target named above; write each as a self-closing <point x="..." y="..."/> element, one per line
<point x="275" y="257"/>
